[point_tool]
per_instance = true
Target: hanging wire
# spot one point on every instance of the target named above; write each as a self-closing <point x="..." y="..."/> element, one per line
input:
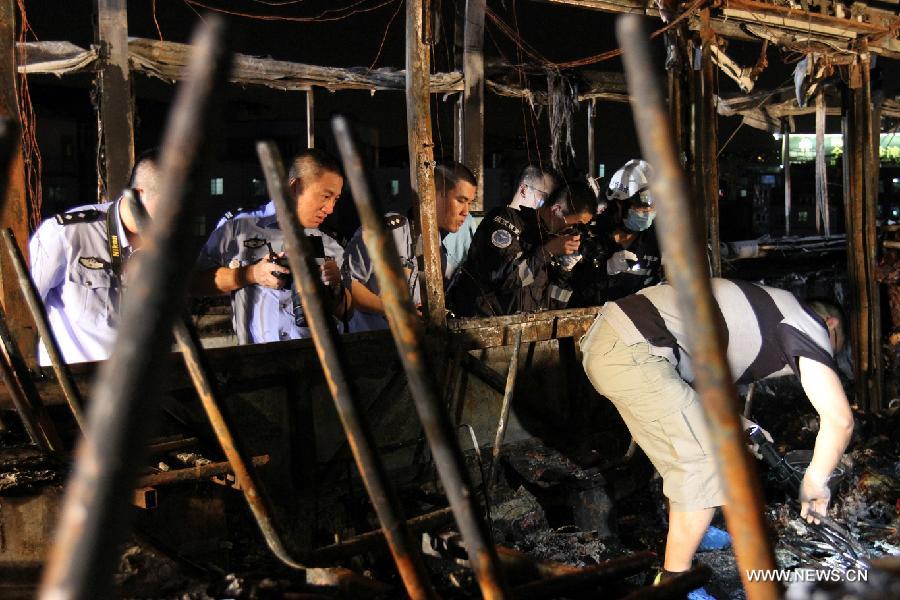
<point x="31" y="152"/>
<point x="384" y="37"/>
<point x="330" y="14"/>
<point x="155" y="21"/>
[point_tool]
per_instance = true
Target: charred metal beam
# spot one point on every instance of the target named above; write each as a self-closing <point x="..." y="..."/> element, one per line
<point x="116" y="118"/>
<point x="39" y="314"/>
<point x="406" y="327"/>
<point x="9" y="133"/>
<point x="374" y="541"/>
<point x="714" y="383"/>
<point x="96" y="506"/>
<point x="196" y="473"/>
<point x="421" y="159"/>
<point x="16" y="210"/>
<point x="343" y="389"/>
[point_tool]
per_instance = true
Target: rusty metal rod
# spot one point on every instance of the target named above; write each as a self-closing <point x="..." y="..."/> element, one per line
<point x="199" y="370"/>
<point x="406" y="327"/>
<point x="194" y="473"/>
<point x="373" y="541"/>
<point x="96" y="506"/>
<point x="343" y="389"/>
<point x="39" y="314"/>
<point x="504" y="406"/>
<point x="566" y="584"/>
<point x="714" y="383"/>
<point x="24" y="394"/>
<point x="244" y="473"/>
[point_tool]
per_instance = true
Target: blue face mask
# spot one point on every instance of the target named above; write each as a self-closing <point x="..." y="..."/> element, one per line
<point x="639" y="221"/>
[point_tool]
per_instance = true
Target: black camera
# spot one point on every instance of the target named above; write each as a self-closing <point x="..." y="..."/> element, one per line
<point x="281" y="261"/>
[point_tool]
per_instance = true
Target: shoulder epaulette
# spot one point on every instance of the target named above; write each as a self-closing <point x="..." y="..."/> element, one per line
<point x="87" y="215"/>
<point x="393" y="221"/>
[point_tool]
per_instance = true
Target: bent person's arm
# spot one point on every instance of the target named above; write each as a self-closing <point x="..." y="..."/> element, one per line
<point x="823" y="387"/>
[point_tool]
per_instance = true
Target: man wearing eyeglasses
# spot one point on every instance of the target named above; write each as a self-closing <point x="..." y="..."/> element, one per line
<point x="515" y="263"/>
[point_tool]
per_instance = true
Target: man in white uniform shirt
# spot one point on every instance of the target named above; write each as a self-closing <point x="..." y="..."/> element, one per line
<point x="238" y="258"/>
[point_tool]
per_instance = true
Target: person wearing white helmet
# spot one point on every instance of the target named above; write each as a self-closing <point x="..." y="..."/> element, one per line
<point x="625" y="256"/>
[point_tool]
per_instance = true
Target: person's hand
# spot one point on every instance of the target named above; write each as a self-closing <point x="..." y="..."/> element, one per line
<point x="814" y="495"/>
<point x="747" y="424"/>
<point x="331" y="275"/>
<point x="563" y="244"/>
<point x="264" y="273"/>
<point x="618" y="262"/>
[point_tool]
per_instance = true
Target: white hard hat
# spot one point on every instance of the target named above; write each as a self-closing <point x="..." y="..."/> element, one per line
<point x="632" y="182"/>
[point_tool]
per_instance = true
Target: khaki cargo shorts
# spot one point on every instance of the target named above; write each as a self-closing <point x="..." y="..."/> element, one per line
<point x="662" y="412"/>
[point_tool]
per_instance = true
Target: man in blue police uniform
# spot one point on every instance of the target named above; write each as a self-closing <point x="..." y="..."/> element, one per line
<point x="454" y="191"/>
<point x="78" y="261"/>
<point x="239" y="258"/>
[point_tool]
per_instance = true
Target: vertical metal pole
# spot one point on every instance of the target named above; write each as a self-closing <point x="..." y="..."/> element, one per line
<point x="408" y="335"/>
<point x="711" y="143"/>
<point x="714" y="383"/>
<point x="335" y="368"/>
<point x="473" y="96"/>
<point x="823" y="217"/>
<point x="310" y="118"/>
<point x="116" y="106"/>
<point x="96" y="506"/>
<point x="592" y="169"/>
<point x="421" y="157"/>
<point x="786" y="172"/>
<point x="15" y="207"/>
<point x="869" y="139"/>
<point x="39" y="314"/>
<point x="853" y="228"/>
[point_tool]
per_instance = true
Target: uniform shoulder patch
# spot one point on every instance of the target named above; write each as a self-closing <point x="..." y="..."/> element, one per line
<point x="501" y="238"/>
<point x="87" y="215"/>
<point x="254" y="243"/>
<point x="92" y="262"/>
<point x="393" y="221"/>
<point x="507" y="224"/>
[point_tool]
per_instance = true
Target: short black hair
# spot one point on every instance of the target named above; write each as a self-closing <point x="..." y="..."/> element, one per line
<point x="574" y="198"/>
<point x="149" y="155"/>
<point x="448" y="174"/>
<point x="533" y="174"/>
<point x="308" y="165"/>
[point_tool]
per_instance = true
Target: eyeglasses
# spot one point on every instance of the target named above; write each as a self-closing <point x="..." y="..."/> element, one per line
<point x="542" y="194"/>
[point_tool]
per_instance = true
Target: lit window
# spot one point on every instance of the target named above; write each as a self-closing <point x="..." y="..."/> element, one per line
<point x="743" y="193"/>
<point x="216" y="186"/>
<point x="395" y="187"/>
<point x="601" y="170"/>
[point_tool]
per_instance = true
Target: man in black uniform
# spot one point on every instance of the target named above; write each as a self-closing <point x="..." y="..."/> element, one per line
<point x="623" y="256"/>
<point x="513" y="264"/>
